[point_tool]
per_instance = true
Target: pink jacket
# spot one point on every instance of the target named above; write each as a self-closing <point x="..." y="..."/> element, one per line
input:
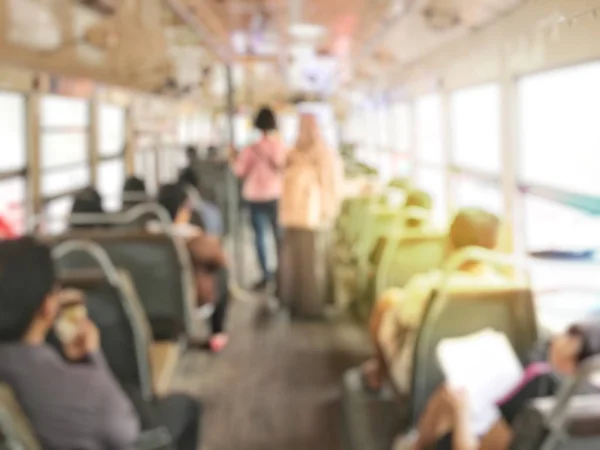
<point x="261" y="167"/>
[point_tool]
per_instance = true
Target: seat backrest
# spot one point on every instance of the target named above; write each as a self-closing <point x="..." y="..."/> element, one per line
<point x="407" y="255"/>
<point x="124" y="330"/>
<point x="509" y="310"/>
<point x="15" y="428"/>
<point x="159" y="266"/>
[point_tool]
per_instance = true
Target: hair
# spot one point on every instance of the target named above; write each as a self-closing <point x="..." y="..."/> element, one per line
<point x="474" y="227"/>
<point x="212" y="151"/>
<point x="188" y="177"/>
<point x="172" y="197"/>
<point x="417" y="199"/>
<point x="27" y="277"/>
<point x="265" y="120"/>
<point x="589" y="333"/>
<point x="134" y="185"/>
<point x="191" y="151"/>
<point x="86" y="201"/>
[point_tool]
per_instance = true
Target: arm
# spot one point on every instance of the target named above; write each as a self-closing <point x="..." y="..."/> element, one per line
<point x="118" y="425"/>
<point x="242" y="163"/>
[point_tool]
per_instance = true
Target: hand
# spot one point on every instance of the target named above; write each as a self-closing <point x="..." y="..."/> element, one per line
<point x="87" y="341"/>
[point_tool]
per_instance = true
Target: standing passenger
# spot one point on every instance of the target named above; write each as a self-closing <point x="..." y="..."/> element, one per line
<point x="261" y="168"/>
<point x="310" y="203"/>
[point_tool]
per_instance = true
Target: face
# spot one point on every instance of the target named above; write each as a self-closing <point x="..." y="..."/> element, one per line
<point x="49" y="310"/>
<point x="563" y="353"/>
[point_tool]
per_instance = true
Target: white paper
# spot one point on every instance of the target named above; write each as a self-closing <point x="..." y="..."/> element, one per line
<point x="485" y="365"/>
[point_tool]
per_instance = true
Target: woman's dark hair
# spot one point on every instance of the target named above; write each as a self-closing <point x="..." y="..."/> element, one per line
<point x="27" y="277"/>
<point x="589" y="333"/>
<point x="86" y="201"/>
<point x="172" y="197"/>
<point x="265" y="120"/>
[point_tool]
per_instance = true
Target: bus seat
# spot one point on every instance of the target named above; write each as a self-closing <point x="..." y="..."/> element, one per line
<point x="509" y="310"/>
<point x="14" y="425"/>
<point x="124" y="333"/>
<point x="409" y="255"/>
<point x="160" y="269"/>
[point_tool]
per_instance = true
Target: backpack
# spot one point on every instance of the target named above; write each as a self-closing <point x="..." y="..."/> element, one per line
<point x="301" y="205"/>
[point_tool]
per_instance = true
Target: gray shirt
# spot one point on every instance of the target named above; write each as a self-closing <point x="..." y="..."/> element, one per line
<point x="70" y="406"/>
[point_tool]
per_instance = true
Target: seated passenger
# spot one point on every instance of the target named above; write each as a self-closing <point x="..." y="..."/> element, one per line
<point x="211" y="219"/>
<point x="397" y="314"/>
<point x="206" y="251"/>
<point x="86" y="201"/>
<point x="69" y="406"/>
<point x="445" y="424"/>
<point x="134" y="192"/>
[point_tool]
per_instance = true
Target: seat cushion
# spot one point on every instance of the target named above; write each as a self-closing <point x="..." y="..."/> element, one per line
<point x="164" y="356"/>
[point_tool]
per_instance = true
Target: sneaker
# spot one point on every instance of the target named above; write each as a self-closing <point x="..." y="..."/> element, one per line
<point x="218" y="342"/>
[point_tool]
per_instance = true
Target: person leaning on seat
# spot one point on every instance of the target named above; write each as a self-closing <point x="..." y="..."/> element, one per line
<point x="398" y="312"/>
<point x="70" y="396"/>
<point x="70" y="406"/>
<point x="445" y="424"/>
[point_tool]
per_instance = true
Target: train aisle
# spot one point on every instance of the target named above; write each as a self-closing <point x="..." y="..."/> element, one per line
<point x="277" y="385"/>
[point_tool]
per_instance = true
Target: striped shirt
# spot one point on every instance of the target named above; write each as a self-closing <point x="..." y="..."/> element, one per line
<point x="70" y="406"/>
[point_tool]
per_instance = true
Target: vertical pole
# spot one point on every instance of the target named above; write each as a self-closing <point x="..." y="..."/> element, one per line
<point x="448" y="149"/>
<point x="93" y="150"/>
<point x="235" y="228"/>
<point x="34" y="169"/>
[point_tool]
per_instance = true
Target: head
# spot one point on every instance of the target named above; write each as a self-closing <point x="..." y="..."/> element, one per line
<point x="134" y="192"/>
<point x="309" y="133"/>
<point x="212" y="152"/>
<point x="191" y="153"/>
<point x="188" y="178"/>
<point x="417" y="199"/>
<point x="28" y="291"/>
<point x="569" y="349"/>
<point x="174" y="198"/>
<point x="86" y="201"/>
<point x="474" y="227"/>
<point x="265" y="120"/>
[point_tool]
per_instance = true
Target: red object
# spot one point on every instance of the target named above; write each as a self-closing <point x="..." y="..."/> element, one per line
<point x="6" y="231"/>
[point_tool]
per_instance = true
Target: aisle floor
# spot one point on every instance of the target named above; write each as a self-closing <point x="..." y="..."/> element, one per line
<point x="277" y="385"/>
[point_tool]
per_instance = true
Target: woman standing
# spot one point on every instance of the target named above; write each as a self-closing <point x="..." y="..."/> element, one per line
<point x="311" y="199"/>
<point x="261" y="167"/>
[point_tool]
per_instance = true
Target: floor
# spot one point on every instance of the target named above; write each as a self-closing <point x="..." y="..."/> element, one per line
<point x="277" y="385"/>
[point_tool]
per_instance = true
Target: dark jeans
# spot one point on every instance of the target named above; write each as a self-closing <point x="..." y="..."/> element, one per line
<point x="217" y="320"/>
<point x="263" y="215"/>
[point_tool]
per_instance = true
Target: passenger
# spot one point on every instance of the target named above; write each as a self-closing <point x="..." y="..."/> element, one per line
<point x="445" y="422"/>
<point x="86" y="201"/>
<point x="193" y="160"/>
<point x="69" y="406"/>
<point x="397" y="314"/>
<point x="310" y="204"/>
<point x="261" y="166"/>
<point x="206" y="253"/>
<point x="211" y="219"/>
<point x="134" y="192"/>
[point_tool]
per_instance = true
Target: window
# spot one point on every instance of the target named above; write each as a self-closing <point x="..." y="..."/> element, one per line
<point x="111" y="130"/>
<point x="111" y="175"/>
<point x="56" y="215"/>
<point x="560" y="136"/>
<point x="429" y="131"/>
<point x="400" y="131"/>
<point x="64" y="145"/>
<point x="288" y="126"/>
<point x="433" y="181"/>
<point x="14" y="159"/>
<point x="145" y="168"/>
<point x="473" y="192"/>
<point x="559" y="139"/>
<point x="476" y="129"/>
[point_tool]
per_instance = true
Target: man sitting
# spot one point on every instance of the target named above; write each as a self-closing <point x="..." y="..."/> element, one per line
<point x="398" y="313"/>
<point x="70" y="406"/>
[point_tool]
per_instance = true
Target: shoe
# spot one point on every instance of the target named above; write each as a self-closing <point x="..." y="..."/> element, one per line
<point x="218" y="342"/>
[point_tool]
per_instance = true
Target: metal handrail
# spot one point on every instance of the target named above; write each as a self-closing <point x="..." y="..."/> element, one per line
<point x="95" y="251"/>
